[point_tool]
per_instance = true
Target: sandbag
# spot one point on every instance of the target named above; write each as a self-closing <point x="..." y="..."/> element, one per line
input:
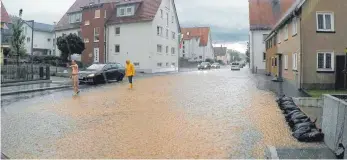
<point x="298" y="115"/>
<point x="297" y="121"/>
<point x="287" y="103"/>
<point x="313" y="136"/>
<point x="298" y="133"/>
<point x="289" y="114"/>
<point x="289" y="108"/>
<point x="304" y="124"/>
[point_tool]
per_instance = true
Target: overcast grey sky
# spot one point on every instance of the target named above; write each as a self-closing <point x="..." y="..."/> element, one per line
<point x="228" y="19"/>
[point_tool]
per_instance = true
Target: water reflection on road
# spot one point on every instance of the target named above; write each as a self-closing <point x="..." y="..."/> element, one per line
<point x="199" y="114"/>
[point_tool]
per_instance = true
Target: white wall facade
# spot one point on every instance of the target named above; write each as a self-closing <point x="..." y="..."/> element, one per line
<point x="192" y="50"/>
<point x="42" y="40"/>
<point x="60" y="33"/>
<point x="138" y="42"/>
<point x="257" y="48"/>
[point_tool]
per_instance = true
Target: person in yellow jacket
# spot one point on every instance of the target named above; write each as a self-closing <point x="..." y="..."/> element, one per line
<point x="129" y="72"/>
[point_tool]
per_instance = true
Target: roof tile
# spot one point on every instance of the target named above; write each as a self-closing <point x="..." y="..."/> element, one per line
<point x="201" y="32"/>
<point x="4" y="15"/>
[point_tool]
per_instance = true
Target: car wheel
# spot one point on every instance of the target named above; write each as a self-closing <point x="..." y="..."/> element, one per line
<point x="120" y="78"/>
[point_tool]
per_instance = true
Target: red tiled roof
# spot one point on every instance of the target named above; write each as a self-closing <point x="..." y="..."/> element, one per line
<point x="145" y="11"/>
<point x="4" y="15"/>
<point x="201" y="32"/>
<point x="263" y="14"/>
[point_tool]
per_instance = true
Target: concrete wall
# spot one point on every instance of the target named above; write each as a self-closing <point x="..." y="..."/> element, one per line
<point x="334" y="123"/>
<point x="257" y="48"/>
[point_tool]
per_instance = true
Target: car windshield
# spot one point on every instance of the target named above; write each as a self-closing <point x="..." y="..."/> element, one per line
<point x="96" y="67"/>
<point x="204" y="63"/>
<point x="235" y="64"/>
<point x="215" y="63"/>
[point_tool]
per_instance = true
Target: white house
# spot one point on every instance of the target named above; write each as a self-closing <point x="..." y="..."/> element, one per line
<point x="197" y="44"/>
<point x="146" y="33"/>
<point x="43" y="38"/>
<point x="220" y="54"/>
<point x="257" y="50"/>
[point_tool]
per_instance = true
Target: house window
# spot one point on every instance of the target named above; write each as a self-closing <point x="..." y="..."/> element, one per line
<point x="25" y="30"/>
<point x="167" y="19"/>
<point x="121" y="11"/>
<point x="96" y="34"/>
<point x="172" y="19"/>
<point x="279" y="37"/>
<point x="264" y="56"/>
<point x="295" y="61"/>
<point x="87" y="23"/>
<point x="285" y="62"/>
<point x="48" y="39"/>
<point x="28" y="39"/>
<point x="167" y="49"/>
<point x="172" y="50"/>
<point x="286" y="32"/>
<point x="200" y="57"/>
<point x="86" y="40"/>
<point x="325" y="61"/>
<point x="325" y="21"/>
<point x="161" y="13"/>
<point x="136" y="64"/>
<point x="173" y="63"/>
<point x="117" y="48"/>
<point x="167" y="64"/>
<point x="105" y="15"/>
<point x="97" y="14"/>
<point x="129" y="11"/>
<point x="159" y="64"/>
<point x="295" y="26"/>
<point x="117" y="30"/>
<point x="173" y="35"/>
<point x="159" y="31"/>
<point x="167" y="33"/>
<point x="76" y="17"/>
<point x="159" y="48"/>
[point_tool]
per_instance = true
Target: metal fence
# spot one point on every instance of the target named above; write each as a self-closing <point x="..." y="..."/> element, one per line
<point x="24" y="72"/>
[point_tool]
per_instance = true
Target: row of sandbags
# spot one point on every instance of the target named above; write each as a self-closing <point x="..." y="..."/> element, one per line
<point x="303" y="128"/>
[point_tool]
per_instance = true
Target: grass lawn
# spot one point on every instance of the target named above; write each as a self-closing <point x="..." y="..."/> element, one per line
<point x="318" y="93"/>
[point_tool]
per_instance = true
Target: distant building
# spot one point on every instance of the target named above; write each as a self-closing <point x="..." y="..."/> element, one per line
<point x="262" y="16"/>
<point x="5" y="24"/>
<point x="43" y="38"/>
<point x="197" y="44"/>
<point x="220" y="54"/>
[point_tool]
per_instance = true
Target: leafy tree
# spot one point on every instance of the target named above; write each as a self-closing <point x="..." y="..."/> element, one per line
<point x="209" y="60"/>
<point x="247" y="53"/>
<point x="17" y="39"/>
<point x="68" y="45"/>
<point x="234" y="55"/>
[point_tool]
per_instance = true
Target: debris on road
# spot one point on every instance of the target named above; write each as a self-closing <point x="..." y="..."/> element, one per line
<point x="304" y="130"/>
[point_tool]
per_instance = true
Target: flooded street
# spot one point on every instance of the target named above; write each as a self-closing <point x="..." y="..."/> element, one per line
<point x="199" y="114"/>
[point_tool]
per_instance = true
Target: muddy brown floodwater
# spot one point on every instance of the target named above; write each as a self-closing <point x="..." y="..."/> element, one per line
<point x="206" y="114"/>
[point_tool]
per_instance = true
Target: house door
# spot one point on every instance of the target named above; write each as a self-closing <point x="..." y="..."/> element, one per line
<point x="340" y="76"/>
<point x="279" y="66"/>
<point x="96" y="55"/>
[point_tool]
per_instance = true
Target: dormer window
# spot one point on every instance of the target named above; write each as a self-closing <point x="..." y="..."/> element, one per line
<point x="125" y="11"/>
<point x="75" y="18"/>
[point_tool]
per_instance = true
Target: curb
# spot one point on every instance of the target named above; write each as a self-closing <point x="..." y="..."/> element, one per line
<point x="34" y="90"/>
<point x="25" y="83"/>
<point x="272" y="153"/>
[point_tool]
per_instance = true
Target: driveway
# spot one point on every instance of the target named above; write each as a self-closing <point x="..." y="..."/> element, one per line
<point x="199" y="114"/>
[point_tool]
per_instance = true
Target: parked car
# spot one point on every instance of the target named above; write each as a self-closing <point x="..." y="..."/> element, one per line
<point x="215" y="65"/>
<point x="235" y="66"/>
<point x="204" y="65"/>
<point x="102" y="73"/>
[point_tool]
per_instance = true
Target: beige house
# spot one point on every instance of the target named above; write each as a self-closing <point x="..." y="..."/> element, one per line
<point x="220" y="54"/>
<point x="310" y="42"/>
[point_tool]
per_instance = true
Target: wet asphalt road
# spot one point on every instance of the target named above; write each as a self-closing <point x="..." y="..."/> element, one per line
<point x="199" y="114"/>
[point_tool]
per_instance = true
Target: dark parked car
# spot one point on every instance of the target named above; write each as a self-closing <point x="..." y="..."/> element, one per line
<point x="102" y="73"/>
<point x="204" y="65"/>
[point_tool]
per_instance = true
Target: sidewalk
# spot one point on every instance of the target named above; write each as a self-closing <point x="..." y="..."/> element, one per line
<point x="279" y="88"/>
<point x="26" y="88"/>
